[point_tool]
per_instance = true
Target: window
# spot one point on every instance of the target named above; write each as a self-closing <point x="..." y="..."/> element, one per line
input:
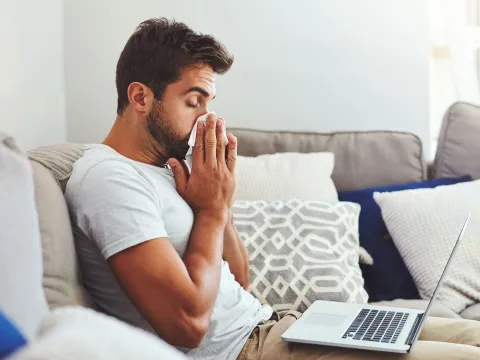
<point x="454" y="57"/>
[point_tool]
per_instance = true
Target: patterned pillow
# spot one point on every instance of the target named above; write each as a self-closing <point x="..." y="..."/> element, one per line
<point x="301" y="251"/>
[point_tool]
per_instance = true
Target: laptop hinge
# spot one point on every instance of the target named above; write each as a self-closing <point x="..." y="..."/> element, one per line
<point x="415" y="329"/>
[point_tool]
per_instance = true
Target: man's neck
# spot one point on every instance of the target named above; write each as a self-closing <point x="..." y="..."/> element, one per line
<point x="132" y="141"/>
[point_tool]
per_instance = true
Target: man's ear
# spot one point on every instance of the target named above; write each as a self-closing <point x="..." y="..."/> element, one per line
<point x="140" y="97"/>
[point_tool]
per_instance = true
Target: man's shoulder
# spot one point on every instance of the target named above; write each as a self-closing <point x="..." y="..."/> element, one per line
<point x="97" y="167"/>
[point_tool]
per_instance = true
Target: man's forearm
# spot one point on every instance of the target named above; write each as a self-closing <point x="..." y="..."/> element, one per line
<point x="176" y="297"/>
<point x="203" y="257"/>
<point x="235" y="253"/>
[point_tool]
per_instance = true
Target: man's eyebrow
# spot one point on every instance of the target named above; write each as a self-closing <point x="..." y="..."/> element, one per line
<point x="200" y="90"/>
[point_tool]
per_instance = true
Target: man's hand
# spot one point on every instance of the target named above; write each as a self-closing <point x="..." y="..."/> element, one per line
<point x="176" y="295"/>
<point x="210" y="188"/>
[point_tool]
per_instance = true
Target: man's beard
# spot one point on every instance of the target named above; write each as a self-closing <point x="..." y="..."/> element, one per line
<point x="166" y="139"/>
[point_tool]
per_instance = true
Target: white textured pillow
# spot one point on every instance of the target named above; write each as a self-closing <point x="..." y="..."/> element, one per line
<point x="286" y="176"/>
<point x="77" y="333"/>
<point x="424" y="225"/>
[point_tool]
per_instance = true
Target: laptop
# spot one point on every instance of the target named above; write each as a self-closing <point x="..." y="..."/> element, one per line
<point x="366" y="327"/>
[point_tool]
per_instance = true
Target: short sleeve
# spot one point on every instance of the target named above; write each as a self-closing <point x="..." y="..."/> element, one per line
<point x="116" y="207"/>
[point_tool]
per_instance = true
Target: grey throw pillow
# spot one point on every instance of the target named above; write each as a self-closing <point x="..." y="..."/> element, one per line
<point x="22" y="298"/>
<point x="301" y="251"/>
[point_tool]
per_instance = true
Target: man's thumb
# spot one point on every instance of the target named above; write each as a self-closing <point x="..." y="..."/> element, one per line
<point x="179" y="173"/>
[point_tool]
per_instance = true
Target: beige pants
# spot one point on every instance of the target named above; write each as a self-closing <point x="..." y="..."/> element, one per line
<point x="441" y="339"/>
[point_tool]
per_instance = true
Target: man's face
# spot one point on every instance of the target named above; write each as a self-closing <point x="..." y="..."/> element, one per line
<point x="171" y="119"/>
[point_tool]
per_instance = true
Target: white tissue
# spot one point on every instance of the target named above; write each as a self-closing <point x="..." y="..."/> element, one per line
<point x="193" y="135"/>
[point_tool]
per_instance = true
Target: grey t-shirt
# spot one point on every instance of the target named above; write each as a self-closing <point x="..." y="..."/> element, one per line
<point x="116" y="203"/>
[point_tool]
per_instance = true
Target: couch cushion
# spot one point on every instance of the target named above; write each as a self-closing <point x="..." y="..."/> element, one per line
<point x="60" y="266"/>
<point x="471" y="312"/>
<point x="76" y="333"/>
<point x="301" y="251"/>
<point x="286" y="176"/>
<point x="52" y="167"/>
<point x="59" y="159"/>
<point x="458" y="145"/>
<point x="437" y="309"/>
<point x="21" y="296"/>
<point x="374" y="236"/>
<point x="424" y="225"/>
<point x="362" y="159"/>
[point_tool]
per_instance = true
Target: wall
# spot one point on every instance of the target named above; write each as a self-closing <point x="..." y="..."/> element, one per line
<point x="32" y="98"/>
<point x="323" y="65"/>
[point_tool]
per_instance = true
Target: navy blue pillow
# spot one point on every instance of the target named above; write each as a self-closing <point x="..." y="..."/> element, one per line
<point x="10" y="338"/>
<point x="388" y="278"/>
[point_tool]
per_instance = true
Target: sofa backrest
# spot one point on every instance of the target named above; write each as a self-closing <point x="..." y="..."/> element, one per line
<point x="458" y="142"/>
<point x="61" y="277"/>
<point x="362" y="159"/>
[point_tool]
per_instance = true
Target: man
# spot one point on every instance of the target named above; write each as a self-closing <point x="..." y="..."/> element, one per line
<point x="156" y="241"/>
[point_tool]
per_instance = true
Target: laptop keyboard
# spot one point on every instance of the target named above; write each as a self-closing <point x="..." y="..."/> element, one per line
<point x="377" y="326"/>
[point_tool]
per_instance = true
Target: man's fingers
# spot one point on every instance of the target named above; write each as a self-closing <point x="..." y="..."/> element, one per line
<point x="220" y="142"/>
<point x="179" y="173"/>
<point x="211" y="141"/>
<point x="198" y="152"/>
<point x="232" y="153"/>
<point x="186" y="168"/>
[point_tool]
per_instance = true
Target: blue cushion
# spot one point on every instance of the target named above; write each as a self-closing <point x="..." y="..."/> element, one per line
<point x="388" y="278"/>
<point x="10" y="338"/>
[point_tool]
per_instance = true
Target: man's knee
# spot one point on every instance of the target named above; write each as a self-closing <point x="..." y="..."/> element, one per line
<point x="431" y="350"/>
<point x="467" y="332"/>
<point x="458" y="331"/>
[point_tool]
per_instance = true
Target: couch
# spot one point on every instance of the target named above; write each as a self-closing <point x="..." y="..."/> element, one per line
<point x="363" y="159"/>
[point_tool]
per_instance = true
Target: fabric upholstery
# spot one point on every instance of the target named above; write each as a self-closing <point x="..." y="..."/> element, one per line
<point x="374" y="237"/>
<point x="301" y="251"/>
<point x="59" y="159"/>
<point x="365" y="257"/>
<point x="363" y="159"/>
<point x="424" y="225"/>
<point x="76" y="333"/>
<point x="60" y="276"/>
<point x="22" y="298"/>
<point x="52" y="166"/>
<point x="286" y="176"/>
<point x="472" y="312"/>
<point x="368" y="159"/>
<point x="458" y="144"/>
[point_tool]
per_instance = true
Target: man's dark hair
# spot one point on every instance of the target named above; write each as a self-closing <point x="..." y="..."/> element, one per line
<point x="157" y="52"/>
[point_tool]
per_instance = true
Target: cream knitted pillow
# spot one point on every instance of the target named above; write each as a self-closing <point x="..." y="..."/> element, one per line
<point x="424" y="225"/>
<point x="286" y="176"/>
